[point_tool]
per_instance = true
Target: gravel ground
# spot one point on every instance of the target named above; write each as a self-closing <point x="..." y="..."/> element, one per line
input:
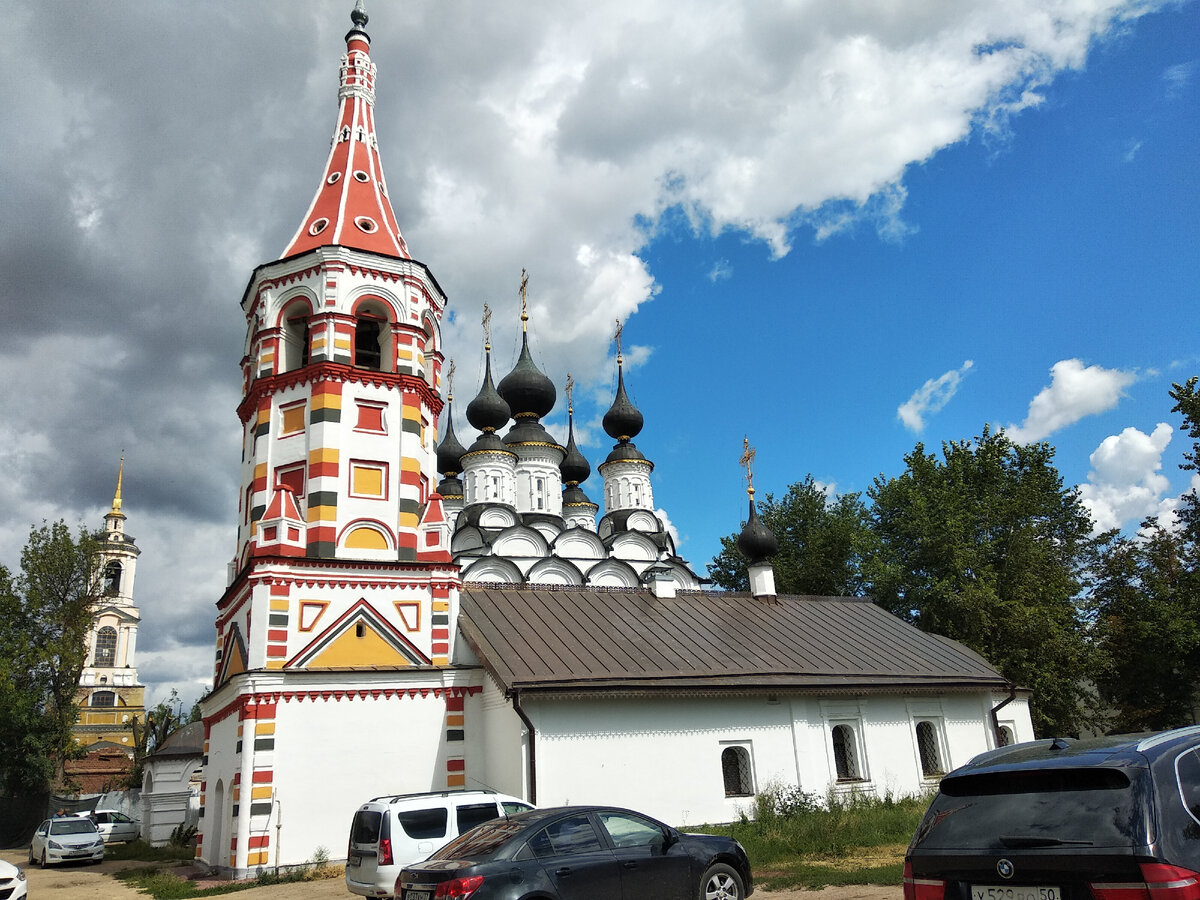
<point x="94" y="882"/>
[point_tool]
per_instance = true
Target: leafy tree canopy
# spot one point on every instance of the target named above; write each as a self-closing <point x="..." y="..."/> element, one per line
<point x="45" y="612"/>
<point x="822" y="542"/>
<point x="986" y="546"/>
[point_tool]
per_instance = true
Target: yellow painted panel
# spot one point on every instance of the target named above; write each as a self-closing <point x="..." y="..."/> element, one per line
<point x="412" y="412"/>
<point x="264" y="728"/>
<point x="441" y="605"/>
<point x="293" y="419"/>
<point x="260" y="471"/>
<point x="322" y="514"/>
<point x="318" y="343"/>
<point x="410" y="465"/>
<point x="369" y="650"/>
<point x="257" y="858"/>
<point x="262" y="792"/>
<point x="408" y="520"/>
<point x="366" y="539"/>
<point x="264" y="415"/>
<point x="327" y="400"/>
<point x="366" y="480"/>
<point x="341" y="343"/>
<point x="452" y="721"/>
<point x="404" y="354"/>
<point x="237" y="794"/>
<point x="274" y="664"/>
<point x="279" y="603"/>
<point x="323" y="455"/>
<point x="456" y="780"/>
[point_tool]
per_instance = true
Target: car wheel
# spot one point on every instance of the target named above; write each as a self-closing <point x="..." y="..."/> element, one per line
<point x="721" y="882"/>
<point x="43" y="862"/>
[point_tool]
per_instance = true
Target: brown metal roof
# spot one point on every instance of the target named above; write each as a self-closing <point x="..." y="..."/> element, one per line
<point x="570" y="640"/>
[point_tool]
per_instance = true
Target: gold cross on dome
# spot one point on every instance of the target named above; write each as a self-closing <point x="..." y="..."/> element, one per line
<point x="487" y="326"/>
<point x="747" y="460"/>
<point x="524" y="299"/>
<point x="570" y="393"/>
<point x="450" y="380"/>
<point x="617" y="338"/>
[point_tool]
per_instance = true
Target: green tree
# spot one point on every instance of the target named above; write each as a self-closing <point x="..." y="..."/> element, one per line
<point x="986" y="546"/>
<point x="1147" y="630"/>
<point x="1187" y="403"/>
<point x="822" y="542"/>
<point x="45" y="612"/>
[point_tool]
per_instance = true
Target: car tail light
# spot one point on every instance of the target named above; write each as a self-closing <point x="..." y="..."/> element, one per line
<point x="458" y="888"/>
<point x="385" y="851"/>
<point x="922" y="888"/>
<point x="1159" y="882"/>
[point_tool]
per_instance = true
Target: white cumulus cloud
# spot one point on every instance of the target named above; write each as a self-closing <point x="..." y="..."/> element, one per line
<point x="931" y="397"/>
<point x="1075" y="391"/>
<point x="1126" y="483"/>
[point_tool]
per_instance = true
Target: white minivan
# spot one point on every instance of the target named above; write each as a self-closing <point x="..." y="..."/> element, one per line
<point x="388" y="833"/>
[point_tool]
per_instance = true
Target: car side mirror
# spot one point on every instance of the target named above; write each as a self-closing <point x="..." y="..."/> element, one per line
<point x="670" y="839"/>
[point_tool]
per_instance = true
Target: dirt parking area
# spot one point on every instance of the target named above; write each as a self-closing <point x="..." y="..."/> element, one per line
<point x="95" y="882"/>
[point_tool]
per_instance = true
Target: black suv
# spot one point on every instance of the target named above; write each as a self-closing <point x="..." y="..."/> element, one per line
<point x="1114" y="818"/>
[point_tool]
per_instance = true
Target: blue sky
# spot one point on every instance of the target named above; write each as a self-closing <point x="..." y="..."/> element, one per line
<point x="835" y="228"/>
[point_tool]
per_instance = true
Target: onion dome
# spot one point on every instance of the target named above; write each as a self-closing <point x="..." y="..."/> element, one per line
<point x="623" y="420"/>
<point x="488" y="412"/>
<point x="352" y="207"/>
<point x="574" y="468"/>
<point x="450" y="451"/>
<point x="526" y="390"/>
<point x="756" y="541"/>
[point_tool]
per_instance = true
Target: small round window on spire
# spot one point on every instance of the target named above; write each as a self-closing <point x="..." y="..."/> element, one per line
<point x="318" y="226"/>
<point x="334" y="178"/>
<point x="360" y="175"/>
<point x="366" y="224"/>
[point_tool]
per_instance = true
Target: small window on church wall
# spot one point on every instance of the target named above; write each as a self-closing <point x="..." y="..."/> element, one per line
<point x="370" y="417"/>
<point x="106" y="646"/>
<point x="294" y="342"/>
<point x="845" y="754"/>
<point x="735" y="768"/>
<point x="539" y="496"/>
<point x="928" y="749"/>
<point x="291" y="419"/>
<point x="104" y="698"/>
<point x="112" y="578"/>
<point x="1004" y="736"/>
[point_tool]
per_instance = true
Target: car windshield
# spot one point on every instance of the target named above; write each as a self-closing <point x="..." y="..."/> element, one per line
<point x="995" y="811"/>
<point x="482" y="841"/>
<point x="72" y="826"/>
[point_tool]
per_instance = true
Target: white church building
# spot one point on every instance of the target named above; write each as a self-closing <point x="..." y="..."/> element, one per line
<point x="407" y="614"/>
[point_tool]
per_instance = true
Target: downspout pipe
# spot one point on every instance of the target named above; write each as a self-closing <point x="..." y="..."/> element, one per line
<point x="516" y="702"/>
<point x="1012" y="695"/>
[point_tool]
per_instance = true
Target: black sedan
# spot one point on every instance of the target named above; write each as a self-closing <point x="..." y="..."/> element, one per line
<point x="580" y="853"/>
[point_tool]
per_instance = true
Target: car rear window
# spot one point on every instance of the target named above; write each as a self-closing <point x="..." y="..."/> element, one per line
<point x="424" y="824"/>
<point x="365" y="828"/>
<point x="472" y="814"/>
<point x="72" y="826"/>
<point x="482" y="842"/>
<point x="1038" y="808"/>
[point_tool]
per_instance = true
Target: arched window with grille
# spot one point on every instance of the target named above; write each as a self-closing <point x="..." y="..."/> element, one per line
<point x="735" y="769"/>
<point x="1004" y="736"/>
<point x="845" y="754"/>
<point x="104" y="698"/>
<point x="106" y="646"/>
<point x="929" y="749"/>
<point x="112" y="578"/>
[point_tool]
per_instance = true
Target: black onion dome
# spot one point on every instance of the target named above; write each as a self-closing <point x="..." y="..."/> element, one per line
<point x="574" y="468"/>
<point x="488" y="411"/>
<point x="526" y="390"/>
<point x="450" y="451"/>
<point x="450" y="488"/>
<point x="623" y="421"/>
<point x="756" y="541"/>
<point x="625" y="450"/>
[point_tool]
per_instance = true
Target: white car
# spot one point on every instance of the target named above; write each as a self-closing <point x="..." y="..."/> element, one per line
<point x="388" y="833"/>
<point x="115" y="826"/>
<point x="12" y="882"/>
<point x="66" y="839"/>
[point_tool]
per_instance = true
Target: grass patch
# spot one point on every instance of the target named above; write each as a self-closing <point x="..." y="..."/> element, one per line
<point x="143" y="851"/>
<point x="796" y="840"/>
<point x="163" y="885"/>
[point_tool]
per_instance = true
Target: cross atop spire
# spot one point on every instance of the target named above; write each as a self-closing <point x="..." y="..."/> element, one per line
<point x="116" y="504"/>
<point x="747" y="460"/>
<point x="617" y="338"/>
<point x="524" y="299"/>
<point x="570" y="394"/>
<point x="487" y="327"/>
<point x="450" y="380"/>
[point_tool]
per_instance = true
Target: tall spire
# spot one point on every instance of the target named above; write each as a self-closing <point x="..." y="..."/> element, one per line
<point x="351" y="207"/>
<point x="116" y="504"/>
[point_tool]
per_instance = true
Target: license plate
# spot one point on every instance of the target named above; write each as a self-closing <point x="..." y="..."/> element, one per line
<point x="356" y="859"/>
<point x="417" y="895"/>
<point x="1014" y="892"/>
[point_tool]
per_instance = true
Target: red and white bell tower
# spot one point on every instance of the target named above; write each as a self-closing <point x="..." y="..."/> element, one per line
<point x="334" y="637"/>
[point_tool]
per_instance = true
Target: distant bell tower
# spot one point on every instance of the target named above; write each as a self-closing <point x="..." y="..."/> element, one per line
<point x="110" y="695"/>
